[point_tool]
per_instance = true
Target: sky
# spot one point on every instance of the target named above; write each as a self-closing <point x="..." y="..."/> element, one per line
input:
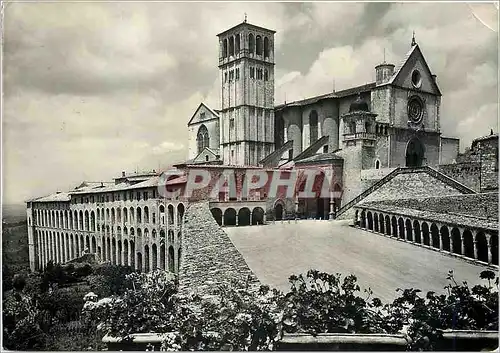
<point x="94" y="89"/>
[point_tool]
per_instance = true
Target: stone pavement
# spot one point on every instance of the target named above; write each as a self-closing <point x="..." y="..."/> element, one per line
<point x="274" y="252"/>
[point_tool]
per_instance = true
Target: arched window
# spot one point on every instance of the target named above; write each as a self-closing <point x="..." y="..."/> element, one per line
<point x="377" y="164"/>
<point x="202" y="138"/>
<point x="231" y="46"/>
<point x="237" y="44"/>
<point x="251" y="43"/>
<point x="266" y="47"/>
<point x="313" y="127"/>
<point x="258" y="45"/>
<point x="224" y="48"/>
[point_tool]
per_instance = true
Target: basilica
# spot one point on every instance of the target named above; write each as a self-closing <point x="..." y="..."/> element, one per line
<point x="377" y="143"/>
<point x="361" y="131"/>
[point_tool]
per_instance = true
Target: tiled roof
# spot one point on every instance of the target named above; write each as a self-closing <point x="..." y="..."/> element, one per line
<point x="320" y="157"/>
<point x="56" y="197"/>
<point x="339" y="94"/>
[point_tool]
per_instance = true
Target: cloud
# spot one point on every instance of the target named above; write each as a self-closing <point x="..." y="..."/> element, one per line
<point x="91" y="89"/>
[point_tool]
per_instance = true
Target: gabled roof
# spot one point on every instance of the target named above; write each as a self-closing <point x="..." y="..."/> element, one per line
<point x="338" y="94"/>
<point x="414" y="50"/>
<point x="206" y="107"/>
<point x="211" y="151"/>
<point x="55" y="197"/>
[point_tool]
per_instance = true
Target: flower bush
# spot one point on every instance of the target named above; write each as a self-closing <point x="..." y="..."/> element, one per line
<point x="321" y="302"/>
<point x="231" y="318"/>
<point x="146" y="307"/>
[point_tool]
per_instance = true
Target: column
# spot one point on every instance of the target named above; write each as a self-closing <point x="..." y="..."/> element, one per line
<point x="222" y="222"/>
<point x="250" y="217"/>
<point x="264" y="219"/>
<point x="131" y="254"/>
<point x="462" y="247"/>
<point x="143" y="259"/>
<point x="63" y="248"/>
<point x="151" y="256"/>
<point x="474" y="233"/>
<point x="123" y="255"/>
<point x="488" y="239"/>
<point x="136" y="262"/>
<point x="332" y="207"/>
<point x="103" y="246"/>
<point x="440" y="238"/>
<point x="117" y="251"/>
<point x="451" y="240"/>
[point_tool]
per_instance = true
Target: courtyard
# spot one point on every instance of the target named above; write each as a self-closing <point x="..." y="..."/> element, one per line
<point x="276" y="251"/>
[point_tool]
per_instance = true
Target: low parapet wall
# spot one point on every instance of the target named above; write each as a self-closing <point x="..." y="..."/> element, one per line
<point x="208" y="257"/>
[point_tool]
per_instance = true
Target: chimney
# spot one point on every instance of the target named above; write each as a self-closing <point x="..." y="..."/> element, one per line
<point x="123" y="174"/>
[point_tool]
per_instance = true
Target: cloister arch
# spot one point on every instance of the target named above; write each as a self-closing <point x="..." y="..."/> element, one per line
<point x="146" y="258"/>
<point x="257" y="216"/>
<point x="362" y="219"/>
<point x="180" y="213"/>
<point x="138" y="215"/>
<point x="416" y="232"/>
<point x="170" y="210"/>
<point x="457" y="241"/>
<point x="113" y="251"/>
<point x="401" y="228"/>
<point x="139" y="261"/>
<point x="279" y="208"/>
<point x="154" y="252"/>
<point x="426" y="234"/>
<point x="394" y="223"/>
<point x="93" y="248"/>
<point x="217" y="214"/>
<point x="369" y="217"/>
<point x="125" y="252"/>
<point x="409" y="230"/>
<point x="482" y="247"/>
<point x="171" y="258"/>
<point x="244" y="216"/>
<point x="445" y="238"/>
<point x="435" y="242"/>
<point x="132" y="253"/>
<point x="375" y="222"/>
<point x="119" y="255"/>
<point x="494" y="249"/>
<point x="162" y="256"/>
<point x="230" y="217"/>
<point x="387" y="225"/>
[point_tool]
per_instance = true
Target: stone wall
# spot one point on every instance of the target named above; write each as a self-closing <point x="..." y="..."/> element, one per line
<point x="464" y="173"/>
<point x="484" y="151"/>
<point x="208" y="256"/>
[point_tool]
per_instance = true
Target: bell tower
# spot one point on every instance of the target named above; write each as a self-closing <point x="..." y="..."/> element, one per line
<point x="246" y="65"/>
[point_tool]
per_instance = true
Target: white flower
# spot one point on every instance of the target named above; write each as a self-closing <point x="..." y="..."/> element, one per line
<point x="91" y="296"/>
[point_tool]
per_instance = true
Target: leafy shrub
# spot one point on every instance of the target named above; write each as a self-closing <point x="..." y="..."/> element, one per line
<point x="460" y="308"/>
<point x="146" y="307"/>
<point x="233" y="318"/>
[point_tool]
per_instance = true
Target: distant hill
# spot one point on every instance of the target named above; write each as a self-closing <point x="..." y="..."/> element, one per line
<point x="13" y="213"/>
<point x="15" y="255"/>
